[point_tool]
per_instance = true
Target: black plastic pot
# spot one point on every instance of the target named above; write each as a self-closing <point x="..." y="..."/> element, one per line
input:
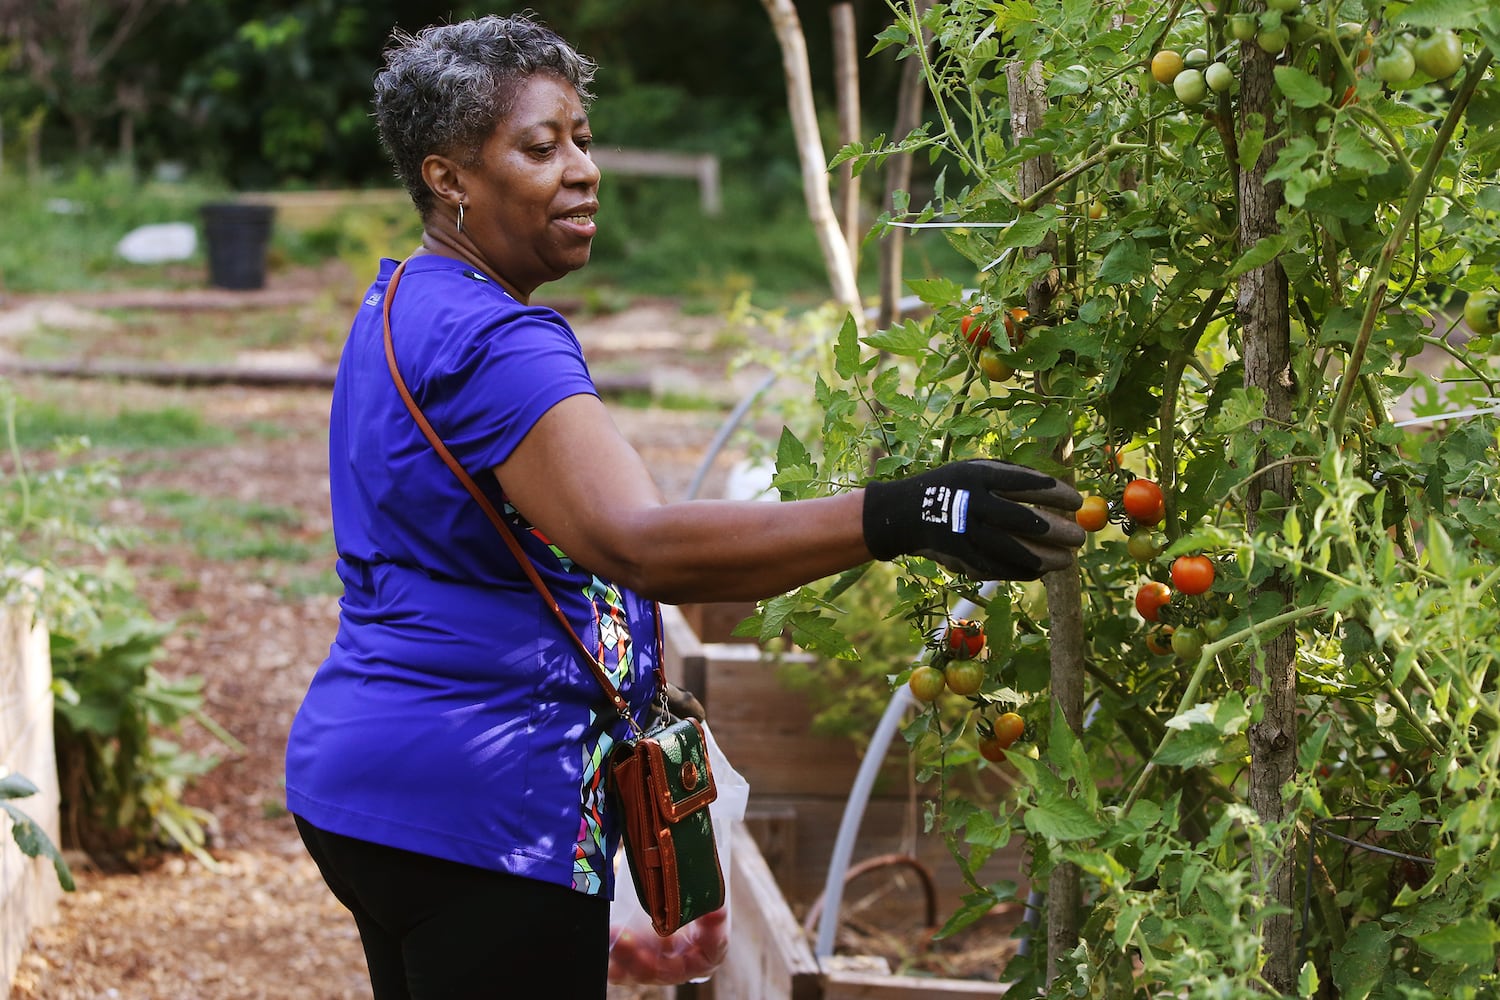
<point x="237" y="235"/>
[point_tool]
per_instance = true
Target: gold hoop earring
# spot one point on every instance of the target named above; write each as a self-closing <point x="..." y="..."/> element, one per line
<point x="460" y="217"/>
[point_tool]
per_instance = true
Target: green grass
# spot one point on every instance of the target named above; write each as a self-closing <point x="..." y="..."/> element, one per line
<point x="41" y="422"/>
<point x="229" y="530"/>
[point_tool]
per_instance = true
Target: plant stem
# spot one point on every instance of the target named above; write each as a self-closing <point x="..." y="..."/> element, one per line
<point x="1381" y="277"/>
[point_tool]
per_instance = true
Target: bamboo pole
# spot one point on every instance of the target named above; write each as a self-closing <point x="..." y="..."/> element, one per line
<point x="846" y="87"/>
<point x="814" y="162"/>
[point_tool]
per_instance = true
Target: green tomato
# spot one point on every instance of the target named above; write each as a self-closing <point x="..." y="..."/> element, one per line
<point x="1243" y="27"/>
<point x="1273" y="40"/>
<point x="1189" y="86"/>
<point x="1396" y="66"/>
<point x="1187" y="642"/>
<point x="1142" y="544"/>
<point x="1196" y="58"/>
<point x="1440" y="54"/>
<point x="1219" y="77"/>
<point x="1215" y="626"/>
<point x="1303" y="29"/>
<point x="1482" y="312"/>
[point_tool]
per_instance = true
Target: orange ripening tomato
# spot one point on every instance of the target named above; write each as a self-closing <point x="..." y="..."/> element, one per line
<point x="1093" y="515"/>
<point x="1144" y="502"/>
<point x="1151" y="598"/>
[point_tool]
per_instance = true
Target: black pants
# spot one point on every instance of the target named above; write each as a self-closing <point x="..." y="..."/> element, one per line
<point x="439" y="930"/>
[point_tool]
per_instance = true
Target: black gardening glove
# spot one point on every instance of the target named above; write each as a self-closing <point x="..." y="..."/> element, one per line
<point x="987" y="520"/>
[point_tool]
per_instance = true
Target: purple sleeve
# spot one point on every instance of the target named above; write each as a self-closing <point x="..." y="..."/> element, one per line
<point x="485" y="396"/>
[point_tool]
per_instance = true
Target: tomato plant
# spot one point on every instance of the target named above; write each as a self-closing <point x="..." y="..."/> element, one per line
<point x="1192" y="574"/>
<point x="1150" y="598"/>
<point x="1266" y="303"/>
<point x="1094" y="514"/>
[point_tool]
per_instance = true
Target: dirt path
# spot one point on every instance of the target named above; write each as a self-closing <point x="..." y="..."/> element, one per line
<point x="261" y="926"/>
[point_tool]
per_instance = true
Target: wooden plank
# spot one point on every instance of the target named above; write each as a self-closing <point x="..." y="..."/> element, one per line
<point x="769" y="956"/>
<point x="766" y="730"/>
<point x="682" y="653"/>
<point x="848" y="985"/>
<point x="702" y="167"/>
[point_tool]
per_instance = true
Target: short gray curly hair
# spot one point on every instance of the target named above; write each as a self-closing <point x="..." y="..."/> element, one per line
<point x="443" y="89"/>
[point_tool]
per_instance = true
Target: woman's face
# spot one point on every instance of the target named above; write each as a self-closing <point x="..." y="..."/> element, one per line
<point x="532" y="196"/>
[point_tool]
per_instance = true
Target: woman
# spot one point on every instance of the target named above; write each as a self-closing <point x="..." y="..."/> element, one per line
<point x="442" y="765"/>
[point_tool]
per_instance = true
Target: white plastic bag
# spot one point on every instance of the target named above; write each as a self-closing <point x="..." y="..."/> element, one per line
<point x="638" y="956"/>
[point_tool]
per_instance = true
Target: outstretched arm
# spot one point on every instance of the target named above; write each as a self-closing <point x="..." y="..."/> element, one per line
<point x="577" y="479"/>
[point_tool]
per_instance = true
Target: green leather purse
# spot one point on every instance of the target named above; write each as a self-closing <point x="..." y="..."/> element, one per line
<point x="659" y="779"/>
<point x="662" y="785"/>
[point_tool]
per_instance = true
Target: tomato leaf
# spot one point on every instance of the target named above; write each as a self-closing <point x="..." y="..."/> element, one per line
<point x="1402" y="814"/>
<point x="1301" y="88"/>
<point x="34" y="842"/>
<point x="1441" y="14"/>
<point x="1360" y="964"/>
<point x="1469" y="941"/>
<point x="1266" y="249"/>
<point x="908" y="339"/>
<point x="1125" y="263"/>
<point x="1057" y="816"/>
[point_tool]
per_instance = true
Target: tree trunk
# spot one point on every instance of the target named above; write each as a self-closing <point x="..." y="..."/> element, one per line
<point x="810" y="154"/>
<point x="1263" y="315"/>
<point x="1027" y="92"/>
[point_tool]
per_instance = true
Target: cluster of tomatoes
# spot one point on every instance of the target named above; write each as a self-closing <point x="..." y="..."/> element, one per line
<point x="956" y="666"/>
<point x="975" y="331"/>
<point x="1144" y="506"/>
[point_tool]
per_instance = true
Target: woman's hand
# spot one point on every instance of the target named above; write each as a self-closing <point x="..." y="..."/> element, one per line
<point x="987" y="520"/>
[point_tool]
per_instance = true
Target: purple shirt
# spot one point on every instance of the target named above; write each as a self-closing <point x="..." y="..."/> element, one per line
<point x="454" y="716"/>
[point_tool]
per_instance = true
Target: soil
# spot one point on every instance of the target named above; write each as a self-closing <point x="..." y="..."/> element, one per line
<point x="260" y="925"/>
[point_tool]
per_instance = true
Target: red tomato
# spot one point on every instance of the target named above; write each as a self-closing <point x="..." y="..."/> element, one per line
<point x="926" y="683"/>
<point x="1159" y="640"/>
<point x="1144" y="502"/>
<point x="964" y="677"/>
<point x="965" y="639"/>
<point x="1093" y="515"/>
<point x="975" y="332"/>
<point x="1151" y="598"/>
<point x="1193" y="574"/>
